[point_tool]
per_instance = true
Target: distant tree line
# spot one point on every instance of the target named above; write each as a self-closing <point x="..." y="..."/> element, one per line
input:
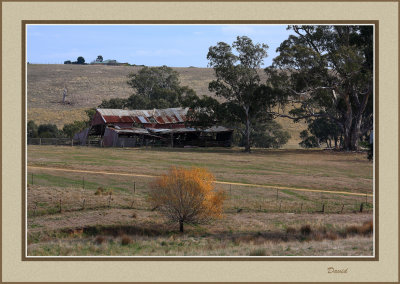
<point x="51" y="130"/>
<point x="80" y="60"/>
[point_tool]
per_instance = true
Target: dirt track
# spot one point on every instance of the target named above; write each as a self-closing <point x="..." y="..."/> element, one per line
<point x="218" y="182"/>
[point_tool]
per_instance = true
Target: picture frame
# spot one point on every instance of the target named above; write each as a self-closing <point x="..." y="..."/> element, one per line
<point x="16" y="15"/>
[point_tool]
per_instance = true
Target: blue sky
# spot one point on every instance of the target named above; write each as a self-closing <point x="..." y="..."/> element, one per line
<point x="151" y="45"/>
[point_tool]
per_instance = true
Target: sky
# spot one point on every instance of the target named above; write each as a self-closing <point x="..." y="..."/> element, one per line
<point x="150" y="45"/>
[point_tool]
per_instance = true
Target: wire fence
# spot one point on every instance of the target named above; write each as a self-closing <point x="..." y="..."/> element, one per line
<point x="51" y="194"/>
<point x="62" y="142"/>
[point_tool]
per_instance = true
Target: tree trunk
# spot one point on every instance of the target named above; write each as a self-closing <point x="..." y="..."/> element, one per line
<point x="181" y="226"/>
<point x="355" y="133"/>
<point x="347" y="125"/>
<point x="247" y="131"/>
<point x="356" y="130"/>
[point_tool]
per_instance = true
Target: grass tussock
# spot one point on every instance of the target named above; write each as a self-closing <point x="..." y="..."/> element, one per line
<point x="290" y="230"/>
<point x="99" y="240"/>
<point x="102" y="191"/>
<point x="126" y="240"/>
<point x="365" y="229"/>
<point x="258" y="252"/>
<point x="305" y="230"/>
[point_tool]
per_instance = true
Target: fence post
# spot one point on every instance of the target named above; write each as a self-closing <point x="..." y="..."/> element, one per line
<point x="83" y="205"/>
<point x="60" y="206"/>
<point x="83" y="182"/>
<point x="361" y="207"/>
<point x="34" y="209"/>
<point x="323" y="208"/>
<point x="341" y="211"/>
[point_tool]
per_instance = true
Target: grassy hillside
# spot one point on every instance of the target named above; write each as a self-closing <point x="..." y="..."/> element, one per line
<point x="88" y="85"/>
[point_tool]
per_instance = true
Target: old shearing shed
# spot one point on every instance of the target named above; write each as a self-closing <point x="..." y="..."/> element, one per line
<point x="157" y="127"/>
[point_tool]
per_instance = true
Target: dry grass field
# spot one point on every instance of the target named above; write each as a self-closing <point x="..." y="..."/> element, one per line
<point x="81" y="213"/>
<point x="88" y="85"/>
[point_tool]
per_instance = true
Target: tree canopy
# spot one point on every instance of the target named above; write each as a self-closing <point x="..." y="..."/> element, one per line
<point x="328" y="72"/>
<point x="80" y="60"/>
<point x="71" y="129"/>
<point x="238" y="81"/>
<point x="154" y="87"/>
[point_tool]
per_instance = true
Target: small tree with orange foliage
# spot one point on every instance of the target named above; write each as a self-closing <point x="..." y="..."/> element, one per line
<point x="187" y="196"/>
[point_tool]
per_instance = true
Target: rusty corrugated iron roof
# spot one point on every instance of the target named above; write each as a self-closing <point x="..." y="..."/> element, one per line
<point x="161" y="116"/>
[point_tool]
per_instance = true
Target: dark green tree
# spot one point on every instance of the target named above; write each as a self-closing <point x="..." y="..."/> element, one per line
<point x="80" y="60"/>
<point x="238" y="81"/>
<point x="48" y="131"/>
<point x="99" y="58"/>
<point x="32" y="129"/>
<point x="151" y="82"/>
<point x="325" y="131"/>
<point x="206" y="111"/>
<point x="269" y="135"/>
<point x="155" y="87"/>
<point x="90" y="113"/>
<point x="307" y="140"/>
<point x="114" y="103"/>
<point x="71" y="129"/>
<point x="328" y="71"/>
<point x="67" y="62"/>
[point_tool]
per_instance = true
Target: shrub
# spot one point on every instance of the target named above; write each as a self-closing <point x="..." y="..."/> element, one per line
<point x="99" y="240"/>
<point x="187" y="196"/>
<point x="307" y="140"/>
<point x="352" y="230"/>
<point x="102" y="191"/>
<point x="331" y="236"/>
<point x="290" y="230"/>
<point x="367" y="228"/>
<point x="305" y="230"/>
<point x="99" y="191"/>
<point x="258" y="252"/>
<point x="318" y="236"/>
<point x="125" y="240"/>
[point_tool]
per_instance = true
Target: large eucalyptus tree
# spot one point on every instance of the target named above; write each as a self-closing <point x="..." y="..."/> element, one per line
<point x="327" y="71"/>
<point x="237" y="79"/>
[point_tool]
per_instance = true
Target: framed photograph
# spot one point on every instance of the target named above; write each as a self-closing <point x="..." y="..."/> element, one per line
<point x="252" y="139"/>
